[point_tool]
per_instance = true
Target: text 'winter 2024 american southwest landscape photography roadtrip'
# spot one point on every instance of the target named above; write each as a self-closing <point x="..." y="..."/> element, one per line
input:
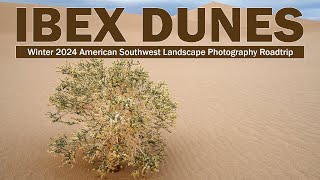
<point x="159" y="89"/>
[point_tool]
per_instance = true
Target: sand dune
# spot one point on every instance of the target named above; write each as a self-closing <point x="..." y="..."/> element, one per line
<point x="238" y="119"/>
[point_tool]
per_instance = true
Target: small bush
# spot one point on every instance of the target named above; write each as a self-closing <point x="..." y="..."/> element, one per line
<point x="119" y="114"/>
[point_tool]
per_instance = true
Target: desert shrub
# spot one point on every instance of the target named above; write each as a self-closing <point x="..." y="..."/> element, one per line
<point x="119" y="115"/>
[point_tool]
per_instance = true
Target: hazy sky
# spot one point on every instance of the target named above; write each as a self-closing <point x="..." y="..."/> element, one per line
<point x="309" y="8"/>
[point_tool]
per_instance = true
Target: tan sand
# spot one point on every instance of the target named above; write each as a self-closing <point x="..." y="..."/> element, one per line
<point x="238" y="119"/>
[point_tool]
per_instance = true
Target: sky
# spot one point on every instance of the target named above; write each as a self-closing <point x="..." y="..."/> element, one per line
<point x="309" y="8"/>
